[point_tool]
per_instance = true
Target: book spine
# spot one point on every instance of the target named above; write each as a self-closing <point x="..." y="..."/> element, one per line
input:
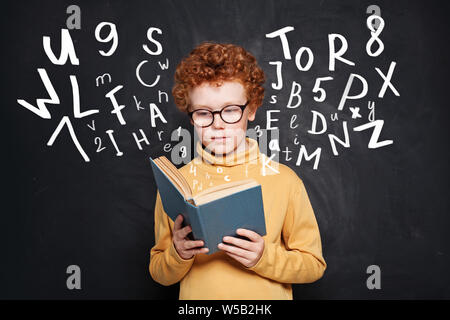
<point x="205" y="238"/>
<point x="196" y="223"/>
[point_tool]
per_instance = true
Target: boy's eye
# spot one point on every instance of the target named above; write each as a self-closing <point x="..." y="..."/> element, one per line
<point x="232" y="109"/>
<point x="202" y="113"/>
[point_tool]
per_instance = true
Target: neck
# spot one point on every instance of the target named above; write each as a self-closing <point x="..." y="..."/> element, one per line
<point x="247" y="150"/>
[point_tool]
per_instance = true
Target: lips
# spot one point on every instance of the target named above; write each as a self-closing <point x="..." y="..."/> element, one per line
<point x="219" y="139"/>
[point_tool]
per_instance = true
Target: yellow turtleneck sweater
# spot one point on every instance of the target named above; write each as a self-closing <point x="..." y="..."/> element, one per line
<point x="292" y="246"/>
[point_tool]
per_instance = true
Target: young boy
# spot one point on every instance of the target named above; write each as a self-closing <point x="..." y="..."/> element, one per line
<point x="220" y="87"/>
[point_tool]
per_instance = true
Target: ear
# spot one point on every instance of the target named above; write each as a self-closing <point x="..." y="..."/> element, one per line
<point x="190" y="120"/>
<point x="251" y="115"/>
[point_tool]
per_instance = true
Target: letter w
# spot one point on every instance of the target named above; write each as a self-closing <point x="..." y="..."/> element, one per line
<point x="164" y="66"/>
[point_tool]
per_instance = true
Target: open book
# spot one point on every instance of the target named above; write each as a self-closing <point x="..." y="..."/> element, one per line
<point x="213" y="213"/>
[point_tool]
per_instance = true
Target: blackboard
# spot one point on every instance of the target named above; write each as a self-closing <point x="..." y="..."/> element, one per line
<point x="378" y="206"/>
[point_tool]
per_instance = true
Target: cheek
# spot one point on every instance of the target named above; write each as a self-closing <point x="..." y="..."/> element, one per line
<point x="238" y="128"/>
<point x="202" y="132"/>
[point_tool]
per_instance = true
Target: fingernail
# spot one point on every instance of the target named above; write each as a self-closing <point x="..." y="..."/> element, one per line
<point x="226" y="238"/>
<point x="219" y="245"/>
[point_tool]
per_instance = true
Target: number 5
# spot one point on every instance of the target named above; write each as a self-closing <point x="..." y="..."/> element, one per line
<point x="317" y="88"/>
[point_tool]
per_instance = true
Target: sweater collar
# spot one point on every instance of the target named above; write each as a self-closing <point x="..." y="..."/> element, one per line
<point x="249" y="154"/>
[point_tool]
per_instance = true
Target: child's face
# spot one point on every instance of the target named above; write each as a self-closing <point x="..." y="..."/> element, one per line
<point x="221" y="138"/>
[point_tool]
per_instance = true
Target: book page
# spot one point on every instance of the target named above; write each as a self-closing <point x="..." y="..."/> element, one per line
<point x="224" y="186"/>
<point x="227" y="189"/>
<point x="185" y="185"/>
<point x="172" y="172"/>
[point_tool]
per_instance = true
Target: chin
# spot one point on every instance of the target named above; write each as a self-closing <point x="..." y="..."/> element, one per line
<point x="220" y="148"/>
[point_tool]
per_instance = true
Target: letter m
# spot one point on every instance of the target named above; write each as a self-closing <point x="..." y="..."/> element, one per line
<point x="102" y="79"/>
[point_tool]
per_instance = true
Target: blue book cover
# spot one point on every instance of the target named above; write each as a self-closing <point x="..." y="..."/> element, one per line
<point x="213" y="220"/>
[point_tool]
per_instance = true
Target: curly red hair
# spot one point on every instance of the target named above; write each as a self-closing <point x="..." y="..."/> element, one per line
<point x="215" y="63"/>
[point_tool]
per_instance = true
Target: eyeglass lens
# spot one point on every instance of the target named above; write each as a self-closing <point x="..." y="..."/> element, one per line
<point x="229" y="114"/>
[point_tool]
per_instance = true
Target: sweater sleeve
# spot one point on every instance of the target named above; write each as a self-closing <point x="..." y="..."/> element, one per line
<point x="166" y="266"/>
<point x="300" y="259"/>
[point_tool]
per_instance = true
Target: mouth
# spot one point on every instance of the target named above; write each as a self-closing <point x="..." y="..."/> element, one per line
<point x="219" y="139"/>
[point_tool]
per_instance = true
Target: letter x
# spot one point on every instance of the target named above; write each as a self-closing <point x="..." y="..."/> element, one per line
<point x="387" y="81"/>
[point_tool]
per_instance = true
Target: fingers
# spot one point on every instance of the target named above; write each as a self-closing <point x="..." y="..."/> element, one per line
<point x="239" y="242"/>
<point x="177" y="223"/>
<point x="178" y="232"/>
<point x="187" y="249"/>
<point x="240" y="259"/>
<point x="252" y="235"/>
<point x="234" y="250"/>
<point x="244" y="244"/>
<point x="182" y="233"/>
<point x="198" y="251"/>
<point x="193" y="244"/>
<point x="248" y="253"/>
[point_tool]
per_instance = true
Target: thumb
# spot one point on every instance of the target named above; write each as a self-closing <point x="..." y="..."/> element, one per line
<point x="178" y="221"/>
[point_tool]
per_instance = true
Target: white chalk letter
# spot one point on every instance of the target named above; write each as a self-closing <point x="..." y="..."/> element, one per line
<point x="337" y="55"/>
<point x="67" y="49"/>
<point x="116" y="107"/>
<point x="155" y="113"/>
<point x="373" y="142"/>
<point x="158" y="45"/>
<point x="111" y="36"/>
<point x="41" y="109"/>
<point x="284" y="42"/>
<point x="346" y="95"/>
<point x="333" y="138"/>
<point x="314" y="123"/>
<point x="387" y="81"/>
<point x="295" y="92"/>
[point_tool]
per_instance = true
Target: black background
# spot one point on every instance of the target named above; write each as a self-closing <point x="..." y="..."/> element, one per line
<point x="387" y="206"/>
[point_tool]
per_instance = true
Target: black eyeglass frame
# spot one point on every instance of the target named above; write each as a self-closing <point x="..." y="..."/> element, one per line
<point x="243" y="106"/>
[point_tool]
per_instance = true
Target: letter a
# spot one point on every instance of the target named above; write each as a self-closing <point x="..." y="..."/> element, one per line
<point x="374" y="281"/>
<point x="74" y="20"/>
<point x="74" y="280"/>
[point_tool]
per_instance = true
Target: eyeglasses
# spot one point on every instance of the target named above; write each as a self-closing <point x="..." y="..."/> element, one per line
<point x="229" y="114"/>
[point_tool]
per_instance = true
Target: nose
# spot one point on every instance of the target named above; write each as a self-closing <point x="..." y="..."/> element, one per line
<point x="217" y="122"/>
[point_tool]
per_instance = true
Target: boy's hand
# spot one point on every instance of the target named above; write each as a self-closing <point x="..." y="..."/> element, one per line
<point x="186" y="248"/>
<point x="246" y="252"/>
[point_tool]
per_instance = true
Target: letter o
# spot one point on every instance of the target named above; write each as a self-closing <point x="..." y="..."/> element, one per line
<point x="298" y="58"/>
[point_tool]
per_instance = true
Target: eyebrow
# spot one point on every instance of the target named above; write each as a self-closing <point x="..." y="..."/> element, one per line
<point x="209" y="107"/>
